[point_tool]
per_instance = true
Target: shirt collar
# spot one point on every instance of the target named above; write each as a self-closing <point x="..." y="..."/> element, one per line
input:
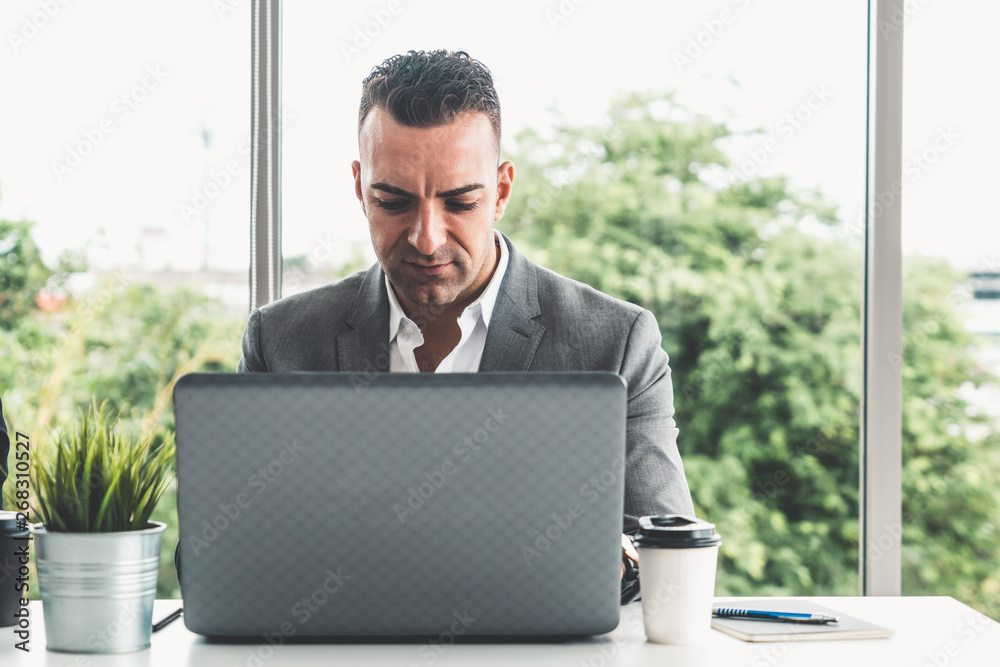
<point x="484" y="304"/>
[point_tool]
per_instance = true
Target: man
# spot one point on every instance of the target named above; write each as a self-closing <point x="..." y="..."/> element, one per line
<point x="451" y="294"/>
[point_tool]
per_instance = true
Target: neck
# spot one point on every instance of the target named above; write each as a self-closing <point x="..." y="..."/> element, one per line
<point x="436" y="319"/>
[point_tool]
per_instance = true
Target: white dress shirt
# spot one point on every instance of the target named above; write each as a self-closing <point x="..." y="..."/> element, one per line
<point x="405" y="335"/>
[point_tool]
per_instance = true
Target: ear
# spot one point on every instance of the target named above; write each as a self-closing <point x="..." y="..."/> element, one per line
<point x="505" y="185"/>
<point x="356" y="171"/>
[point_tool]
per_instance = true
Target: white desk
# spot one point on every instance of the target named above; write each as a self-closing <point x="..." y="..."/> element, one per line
<point x="930" y="631"/>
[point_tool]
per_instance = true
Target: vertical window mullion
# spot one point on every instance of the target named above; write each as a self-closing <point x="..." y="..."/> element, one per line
<point x="882" y="328"/>
<point x="265" y="154"/>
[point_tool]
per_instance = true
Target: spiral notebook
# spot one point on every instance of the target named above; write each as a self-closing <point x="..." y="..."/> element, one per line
<point x="848" y="627"/>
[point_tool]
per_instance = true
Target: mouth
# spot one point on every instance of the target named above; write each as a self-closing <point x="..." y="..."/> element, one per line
<point x="429" y="269"/>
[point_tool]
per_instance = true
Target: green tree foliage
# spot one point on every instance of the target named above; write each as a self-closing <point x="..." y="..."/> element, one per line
<point x="22" y="272"/>
<point x="122" y="342"/>
<point x="756" y="288"/>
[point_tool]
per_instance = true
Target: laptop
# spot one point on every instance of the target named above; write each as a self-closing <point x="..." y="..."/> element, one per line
<point x="403" y="505"/>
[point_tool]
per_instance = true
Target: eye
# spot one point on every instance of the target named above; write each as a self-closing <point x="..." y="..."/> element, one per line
<point x="391" y="204"/>
<point x="461" y="206"/>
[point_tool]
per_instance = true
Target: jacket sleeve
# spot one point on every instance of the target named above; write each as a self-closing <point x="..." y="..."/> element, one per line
<point x="252" y="360"/>
<point x="654" y="475"/>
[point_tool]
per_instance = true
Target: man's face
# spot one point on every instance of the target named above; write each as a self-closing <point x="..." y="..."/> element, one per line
<point x="431" y="196"/>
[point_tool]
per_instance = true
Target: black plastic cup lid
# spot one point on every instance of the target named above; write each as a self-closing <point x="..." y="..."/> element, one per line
<point x="8" y="523"/>
<point x="675" y="531"/>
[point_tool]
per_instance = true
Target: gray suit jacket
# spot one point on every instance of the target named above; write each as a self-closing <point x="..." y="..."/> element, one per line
<point x="541" y="322"/>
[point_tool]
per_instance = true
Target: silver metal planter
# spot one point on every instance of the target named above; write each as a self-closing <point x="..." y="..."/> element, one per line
<point x="98" y="588"/>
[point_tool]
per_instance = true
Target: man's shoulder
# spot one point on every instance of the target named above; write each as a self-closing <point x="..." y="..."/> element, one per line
<point x="586" y="329"/>
<point x="332" y="300"/>
<point x="556" y="291"/>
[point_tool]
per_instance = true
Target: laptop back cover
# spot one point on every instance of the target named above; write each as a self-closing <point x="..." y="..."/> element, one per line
<point x="318" y="504"/>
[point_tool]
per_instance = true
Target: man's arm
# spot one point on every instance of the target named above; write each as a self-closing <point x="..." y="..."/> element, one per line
<point x="252" y="360"/>
<point x="654" y="475"/>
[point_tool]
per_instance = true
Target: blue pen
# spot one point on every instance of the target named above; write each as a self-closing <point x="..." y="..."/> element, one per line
<point x="783" y="616"/>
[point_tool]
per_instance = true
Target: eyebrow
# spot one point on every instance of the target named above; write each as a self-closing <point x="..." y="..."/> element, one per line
<point x="393" y="190"/>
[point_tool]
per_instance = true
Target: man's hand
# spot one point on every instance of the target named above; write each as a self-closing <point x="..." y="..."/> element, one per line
<point x="628" y="551"/>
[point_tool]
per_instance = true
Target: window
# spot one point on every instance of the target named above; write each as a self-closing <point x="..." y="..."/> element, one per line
<point x="125" y="141"/>
<point x="705" y="161"/>
<point x="951" y="318"/>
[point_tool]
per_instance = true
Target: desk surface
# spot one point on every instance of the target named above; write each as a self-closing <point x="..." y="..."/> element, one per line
<point x="934" y="631"/>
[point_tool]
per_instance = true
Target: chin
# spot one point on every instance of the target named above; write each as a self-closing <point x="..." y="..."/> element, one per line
<point x="435" y="300"/>
<point x="429" y="298"/>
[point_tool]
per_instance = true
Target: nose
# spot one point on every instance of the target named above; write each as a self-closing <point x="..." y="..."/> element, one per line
<point x="428" y="231"/>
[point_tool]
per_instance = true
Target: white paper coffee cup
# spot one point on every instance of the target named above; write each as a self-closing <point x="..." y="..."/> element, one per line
<point x="677" y="561"/>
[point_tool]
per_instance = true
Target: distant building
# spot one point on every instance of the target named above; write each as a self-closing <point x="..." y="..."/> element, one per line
<point x="984" y="310"/>
<point x="985" y="285"/>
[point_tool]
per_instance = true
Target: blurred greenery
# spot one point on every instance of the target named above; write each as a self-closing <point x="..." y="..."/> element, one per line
<point x="119" y="341"/>
<point x="756" y="286"/>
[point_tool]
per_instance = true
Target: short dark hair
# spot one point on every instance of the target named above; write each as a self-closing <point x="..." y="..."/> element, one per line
<point x="429" y="89"/>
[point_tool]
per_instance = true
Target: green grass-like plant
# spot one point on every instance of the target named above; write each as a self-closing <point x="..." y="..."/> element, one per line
<point x="97" y="479"/>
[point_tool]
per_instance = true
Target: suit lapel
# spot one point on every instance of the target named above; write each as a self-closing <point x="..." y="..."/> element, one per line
<point x="513" y="336"/>
<point x="511" y="341"/>
<point x="365" y="348"/>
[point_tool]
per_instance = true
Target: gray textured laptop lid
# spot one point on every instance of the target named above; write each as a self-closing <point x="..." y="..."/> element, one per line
<point x="395" y="504"/>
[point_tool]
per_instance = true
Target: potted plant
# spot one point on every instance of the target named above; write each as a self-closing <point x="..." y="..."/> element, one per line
<point x="97" y="551"/>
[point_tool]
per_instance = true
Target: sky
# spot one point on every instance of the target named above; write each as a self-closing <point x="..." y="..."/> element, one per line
<point x="107" y="102"/>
